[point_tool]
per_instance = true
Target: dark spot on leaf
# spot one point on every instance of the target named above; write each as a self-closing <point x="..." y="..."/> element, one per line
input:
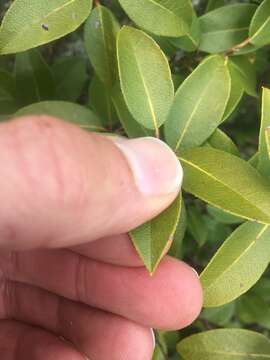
<point x="241" y="285"/>
<point x="45" y="27"/>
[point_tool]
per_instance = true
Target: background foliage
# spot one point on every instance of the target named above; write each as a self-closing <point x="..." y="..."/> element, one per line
<point x="197" y="76"/>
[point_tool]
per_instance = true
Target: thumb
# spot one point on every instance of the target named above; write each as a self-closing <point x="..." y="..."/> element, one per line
<point x="61" y="186"/>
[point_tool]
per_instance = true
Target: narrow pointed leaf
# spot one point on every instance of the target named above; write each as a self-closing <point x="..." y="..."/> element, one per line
<point x="145" y="78"/>
<point x="34" y="79"/>
<point x="100" y="41"/>
<point x="237" y="265"/>
<point x="221" y="141"/>
<point x="244" y="73"/>
<point x="227" y="182"/>
<point x="225" y="27"/>
<point x="264" y="154"/>
<point x="176" y="248"/>
<point x="225" y="344"/>
<point x="30" y="23"/>
<point x="259" y="31"/>
<point x="160" y="17"/>
<point x="153" y="239"/>
<point x="70" y="112"/>
<point x="199" y="104"/>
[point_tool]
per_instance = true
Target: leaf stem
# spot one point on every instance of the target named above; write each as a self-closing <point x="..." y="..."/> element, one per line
<point x="157" y="132"/>
<point x="238" y="46"/>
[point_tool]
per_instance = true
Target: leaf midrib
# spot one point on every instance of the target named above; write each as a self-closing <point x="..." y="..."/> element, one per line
<point x="226" y="186"/>
<point x="225" y="30"/>
<point x="260" y="29"/>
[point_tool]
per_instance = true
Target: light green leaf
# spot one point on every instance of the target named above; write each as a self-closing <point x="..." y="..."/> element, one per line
<point x="145" y="78"/>
<point x="222" y="216"/>
<point x="70" y="76"/>
<point x="100" y="41"/>
<point x="264" y="148"/>
<point x="225" y="27"/>
<point x="34" y="80"/>
<point x="70" y="112"/>
<point x="30" y="23"/>
<point x="153" y="239"/>
<point x="221" y="141"/>
<point x="189" y="42"/>
<point x="237" y="91"/>
<point x="227" y="182"/>
<point x="199" y="104"/>
<point x="225" y="344"/>
<point x="245" y="73"/>
<point x="132" y="128"/>
<point x="237" y="265"/>
<point x="100" y="100"/>
<point x="259" y="31"/>
<point x="160" y="17"/>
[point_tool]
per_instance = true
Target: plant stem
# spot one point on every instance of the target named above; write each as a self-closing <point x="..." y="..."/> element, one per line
<point x="238" y="46"/>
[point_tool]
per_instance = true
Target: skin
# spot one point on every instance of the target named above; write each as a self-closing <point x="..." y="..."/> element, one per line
<point x="71" y="284"/>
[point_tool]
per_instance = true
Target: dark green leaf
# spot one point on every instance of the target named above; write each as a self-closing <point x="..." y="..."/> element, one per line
<point x="245" y="73"/>
<point x="176" y="248"/>
<point x="221" y="141"/>
<point x="196" y="225"/>
<point x="222" y="216"/>
<point x="100" y="41"/>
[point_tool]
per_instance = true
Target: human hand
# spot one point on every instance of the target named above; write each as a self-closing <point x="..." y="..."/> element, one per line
<point x="71" y="286"/>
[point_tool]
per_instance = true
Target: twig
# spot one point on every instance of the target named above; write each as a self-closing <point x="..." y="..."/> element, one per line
<point x="238" y="46"/>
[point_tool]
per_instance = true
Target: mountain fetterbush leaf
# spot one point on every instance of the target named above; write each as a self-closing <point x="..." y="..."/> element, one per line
<point x="191" y="40"/>
<point x="100" y="41"/>
<point x="145" y="77"/>
<point x="244" y="72"/>
<point x="221" y="344"/>
<point x="225" y="27"/>
<point x="237" y="265"/>
<point x="153" y="239"/>
<point x="226" y="181"/>
<point x="259" y="31"/>
<point x="264" y="145"/>
<point x="199" y="104"/>
<point x="7" y="93"/>
<point x="30" y="23"/>
<point x="160" y="17"/>
<point x="70" y="112"/>
<point x="221" y="141"/>
<point x="34" y="79"/>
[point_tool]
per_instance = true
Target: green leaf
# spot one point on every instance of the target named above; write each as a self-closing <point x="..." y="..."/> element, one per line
<point x="34" y="80"/>
<point x="70" y="76"/>
<point x="161" y="17"/>
<point x="237" y="265"/>
<point x="132" y="128"/>
<point x="219" y="315"/>
<point x="176" y="248"/>
<point x="196" y="225"/>
<point x="145" y="78"/>
<point x="199" y="104"/>
<point x="100" y="41"/>
<point x="221" y="141"/>
<point x="225" y="344"/>
<point x="189" y="42"/>
<point x="70" y="112"/>
<point x="214" y="4"/>
<point x="153" y="239"/>
<point x="7" y="93"/>
<point x="28" y="24"/>
<point x="253" y="161"/>
<point x="222" y="216"/>
<point x="253" y="309"/>
<point x="100" y="100"/>
<point x="245" y="73"/>
<point x="227" y="182"/>
<point x="264" y="148"/>
<point x="225" y="27"/>
<point x="237" y="90"/>
<point x="259" y="31"/>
